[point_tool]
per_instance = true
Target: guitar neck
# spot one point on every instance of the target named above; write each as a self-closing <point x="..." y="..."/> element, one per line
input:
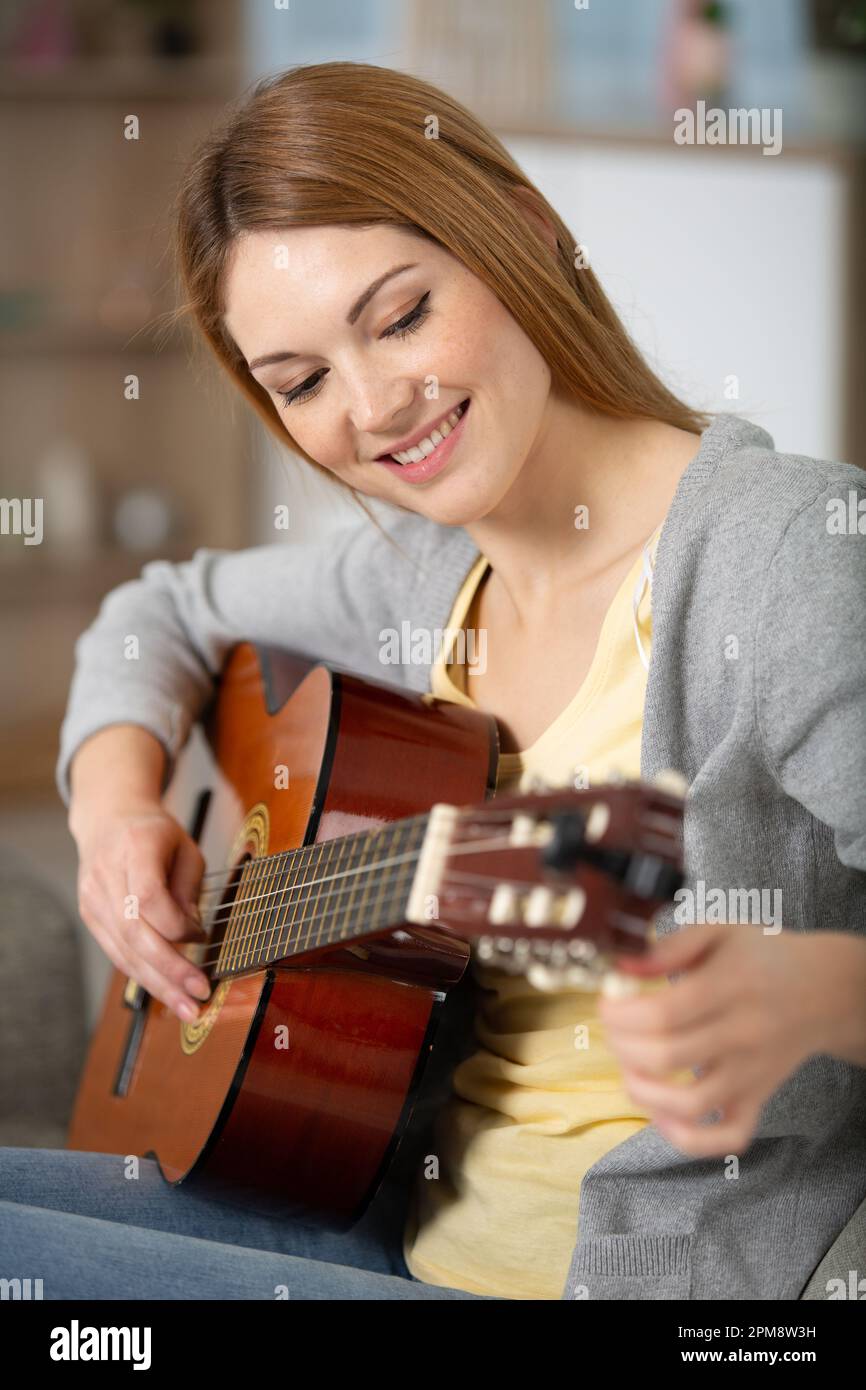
<point x="323" y="895"/>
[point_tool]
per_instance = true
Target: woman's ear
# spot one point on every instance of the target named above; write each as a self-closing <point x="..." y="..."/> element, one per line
<point x="532" y="207"/>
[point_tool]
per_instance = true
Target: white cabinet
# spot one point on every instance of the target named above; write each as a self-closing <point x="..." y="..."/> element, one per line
<point x="723" y="264"/>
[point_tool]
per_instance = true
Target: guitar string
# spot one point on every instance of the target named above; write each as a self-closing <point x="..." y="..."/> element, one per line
<point x="300" y="850"/>
<point x="394" y="898"/>
<point x="458" y="847"/>
<point x="329" y="896"/>
<point x="498" y="814"/>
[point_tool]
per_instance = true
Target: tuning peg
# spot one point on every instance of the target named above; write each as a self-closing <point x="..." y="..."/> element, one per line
<point x="597" y="821"/>
<point x="503" y="908"/>
<point x="538" y="908"/>
<point x="571" y="907"/>
<point x="581" y="977"/>
<point x="670" y="780"/>
<point x="543" y="978"/>
<point x="522" y="832"/>
<point x="547" y="978"/>
<point x="615" y="985"/>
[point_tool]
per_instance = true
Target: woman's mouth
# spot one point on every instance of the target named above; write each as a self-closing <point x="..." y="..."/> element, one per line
<point x="430" y="455"/>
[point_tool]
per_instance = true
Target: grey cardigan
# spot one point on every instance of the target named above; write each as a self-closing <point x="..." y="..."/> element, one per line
<point x="756" y="691"/>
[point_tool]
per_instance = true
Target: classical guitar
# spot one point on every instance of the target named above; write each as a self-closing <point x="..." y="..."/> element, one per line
<point x="355" y="855"/>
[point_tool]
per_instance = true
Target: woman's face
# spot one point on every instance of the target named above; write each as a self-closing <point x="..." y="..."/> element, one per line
<point x="359" y="370"/>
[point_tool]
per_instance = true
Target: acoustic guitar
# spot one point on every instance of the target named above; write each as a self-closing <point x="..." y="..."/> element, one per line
<point x="355" y="855"/>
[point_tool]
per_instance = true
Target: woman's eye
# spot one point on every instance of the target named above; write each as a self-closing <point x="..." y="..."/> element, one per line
<point x="411" y="322"/>
<point x="304" y="391"/>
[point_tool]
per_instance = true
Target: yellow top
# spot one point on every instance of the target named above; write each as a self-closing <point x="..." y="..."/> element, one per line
<point x="542" y="1098"/>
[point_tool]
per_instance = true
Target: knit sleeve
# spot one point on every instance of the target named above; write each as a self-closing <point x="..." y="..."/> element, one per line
<point x="810" y="662"/>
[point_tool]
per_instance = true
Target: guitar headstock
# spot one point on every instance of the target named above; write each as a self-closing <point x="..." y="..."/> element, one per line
<point x="554" y="883"/>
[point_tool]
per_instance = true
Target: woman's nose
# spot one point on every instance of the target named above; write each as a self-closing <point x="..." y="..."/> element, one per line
<point x="377" y="412"/>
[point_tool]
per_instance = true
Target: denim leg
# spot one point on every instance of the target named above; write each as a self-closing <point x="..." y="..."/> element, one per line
<point x="75" y="1221"/>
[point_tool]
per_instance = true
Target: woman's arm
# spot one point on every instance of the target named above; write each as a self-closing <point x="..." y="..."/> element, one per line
<point x="747" y="1009"/>
<point x="751" y="1007"/>
<point x="145" y="669"/>
<point x="152" y="655"/>
<point x="120" y="765"/>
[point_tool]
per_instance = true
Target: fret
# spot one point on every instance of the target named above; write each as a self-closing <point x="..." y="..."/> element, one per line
<point x="322" y="916"/>
<point x="308" y="863"/>
<point x="319" y="884"/>
<point x="236" y="915"/>
<point x="257" y="953"/>
<point x="392" y="849"/>
<point x="239" y="910"/>
<point x="402" y="881"/>
<point x="248" y="911"/>
<point x="367" y="852"/>
<point x="289" y="896"/>
<point x="232" y="924"/>
<point x="359" y="880"/>
<point x="308" y="898"/>
<point x="252" y="914"/>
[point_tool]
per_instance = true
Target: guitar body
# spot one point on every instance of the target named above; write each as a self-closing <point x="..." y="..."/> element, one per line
<point x="293" y="1088"/>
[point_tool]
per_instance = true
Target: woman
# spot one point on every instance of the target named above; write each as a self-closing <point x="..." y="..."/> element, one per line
<point x="398" y="302"/>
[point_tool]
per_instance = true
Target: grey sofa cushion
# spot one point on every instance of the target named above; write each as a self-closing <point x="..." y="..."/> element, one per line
<point x="42" y="1011"/>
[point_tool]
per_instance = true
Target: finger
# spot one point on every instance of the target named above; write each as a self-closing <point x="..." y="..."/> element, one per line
<point x="732" y="1134"/>
<point x="184" y="883"/>
<point x="716" y="1089"/>
<point x="115" y="946"/>
<point x="153" y="901"/>
<point x="677" y="951"/>
<point x="698" y="998"/>
<point x="702" y="1047"/>
<point x="145" y="947"/>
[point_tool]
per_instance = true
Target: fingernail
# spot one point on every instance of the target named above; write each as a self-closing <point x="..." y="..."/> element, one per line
<point x="188" y="1011"/>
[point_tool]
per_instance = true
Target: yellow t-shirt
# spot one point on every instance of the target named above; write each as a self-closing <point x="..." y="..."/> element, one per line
<point x="542" y="1098"/>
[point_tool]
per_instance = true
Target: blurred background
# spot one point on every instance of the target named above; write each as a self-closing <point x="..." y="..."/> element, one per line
<point x="740" y="275"/>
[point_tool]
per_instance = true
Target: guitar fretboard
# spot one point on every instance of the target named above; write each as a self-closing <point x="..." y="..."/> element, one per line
<point x="321" y="895"/>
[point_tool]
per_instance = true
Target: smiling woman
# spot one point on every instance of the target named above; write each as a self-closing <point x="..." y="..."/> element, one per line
<point x="467" y="257"/>
<point x="655" y="591"/>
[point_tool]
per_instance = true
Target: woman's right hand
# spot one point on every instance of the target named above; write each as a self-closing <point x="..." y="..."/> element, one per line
<point x="138" y="883"/>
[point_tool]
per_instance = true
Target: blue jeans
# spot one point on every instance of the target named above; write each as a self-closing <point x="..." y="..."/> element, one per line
<point x="75" y="1221"/>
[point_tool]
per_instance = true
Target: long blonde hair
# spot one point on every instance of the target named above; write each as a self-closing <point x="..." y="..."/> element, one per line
<point x="345" y="144"/>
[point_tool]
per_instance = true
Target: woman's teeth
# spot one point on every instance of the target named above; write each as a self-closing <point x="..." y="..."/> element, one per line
<point x="425" y="447"/>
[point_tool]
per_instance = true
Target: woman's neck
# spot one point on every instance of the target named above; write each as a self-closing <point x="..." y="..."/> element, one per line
<point x="620" y="474"/>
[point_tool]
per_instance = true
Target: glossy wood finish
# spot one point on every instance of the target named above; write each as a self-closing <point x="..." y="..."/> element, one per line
<point x="312" y="1124"/>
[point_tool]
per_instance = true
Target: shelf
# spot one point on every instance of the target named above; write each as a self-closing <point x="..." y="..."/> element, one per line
<point x="127" y="79"/>
<point x="66" y="341"/>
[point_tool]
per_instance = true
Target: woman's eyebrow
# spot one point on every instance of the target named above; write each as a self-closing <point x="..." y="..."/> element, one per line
<point x="352" y="317"/>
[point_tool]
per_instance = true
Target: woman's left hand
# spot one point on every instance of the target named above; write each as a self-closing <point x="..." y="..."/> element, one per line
<point x="748" y="1010"/>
